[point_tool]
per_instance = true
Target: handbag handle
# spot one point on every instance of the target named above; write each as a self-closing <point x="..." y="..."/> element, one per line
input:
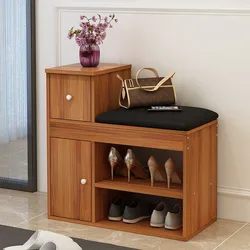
<point x="159" y="84"/>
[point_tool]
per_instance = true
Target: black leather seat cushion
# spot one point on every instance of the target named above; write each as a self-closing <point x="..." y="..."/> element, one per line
<point x="187" y="119"/>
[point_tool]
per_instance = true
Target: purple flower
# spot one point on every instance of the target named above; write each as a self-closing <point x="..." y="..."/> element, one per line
<point x="83" y="25"/>
<point x="103" y="35"/>
<point x="92" y="30"/>
<point x="70" y="35"/>
<point x="98" y="40"/>
<point x="79" y="41"/>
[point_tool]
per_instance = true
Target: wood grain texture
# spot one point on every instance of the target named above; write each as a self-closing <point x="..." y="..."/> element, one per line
<point x="77" y="69"/>
<point x="142" y="187"/>
<point x="48" y="142"/>
<point x="200" y="180"/>
<point x="202" y="127"/>
<point x="118" y="134"/>
<point x="142" y="227"/>
<point x="78" y="108"/>
<point x="70" y="163"/>
<point x="65" y="187"/>
<point x="56" y="96"/>
<point x="190" y="187"/>
<point x="85" y="171"/>
<point x="214" y="169"/>
<point x="105" y="92"/>
<point x="100" y="168"/>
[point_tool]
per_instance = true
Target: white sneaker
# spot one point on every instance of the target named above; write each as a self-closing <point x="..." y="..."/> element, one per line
<point x="54" y="246"/>
<point x="49" y="246"/>
<point x="173" y="219"/>
<point x="40" y="238"/>
<point x="158" y="216"/>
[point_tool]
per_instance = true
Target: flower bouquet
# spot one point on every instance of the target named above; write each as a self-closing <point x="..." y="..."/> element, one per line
<point x="92" y="33"/>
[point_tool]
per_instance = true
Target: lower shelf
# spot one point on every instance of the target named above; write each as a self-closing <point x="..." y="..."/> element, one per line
<point x="142" y="227"/>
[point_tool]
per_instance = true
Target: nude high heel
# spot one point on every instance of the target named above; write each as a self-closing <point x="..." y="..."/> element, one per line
<point x="115" y="161"/>
<point x="133" y="165"/>
<point x="173" y="174"/>
<point x="156" y="171"/>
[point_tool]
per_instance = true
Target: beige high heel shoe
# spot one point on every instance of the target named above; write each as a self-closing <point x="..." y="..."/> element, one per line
<point x="116" y="161"/>
<point x="133" y="165"/>
<point x="173" y="174"/>
<point x="156" y="171"/>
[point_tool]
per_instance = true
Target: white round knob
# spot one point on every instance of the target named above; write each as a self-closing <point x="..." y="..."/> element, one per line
<point x="83" y="181"/>
<point x="69" y="97"/>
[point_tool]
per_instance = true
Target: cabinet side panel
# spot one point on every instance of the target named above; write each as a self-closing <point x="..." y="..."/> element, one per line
<point x="65" y="192"/>
<point x="205" y="166"/>
<point x="105" y="92"/>
<point x="200" y="181"/>
<point x="214" y="170"/>
<point x="85" y="167"/>
<point x="190" y="186"/>
<point x="101" y="171"/>
<point x="48" y="139"/>
<point x="56" y="93"/>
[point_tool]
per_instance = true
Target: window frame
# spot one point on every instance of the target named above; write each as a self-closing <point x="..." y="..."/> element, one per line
<point x="31" y="184"/>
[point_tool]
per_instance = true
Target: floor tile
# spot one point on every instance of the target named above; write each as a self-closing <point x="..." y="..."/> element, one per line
<point x="17" y="207"/>
<point x="208" y="239"/>
<point x="239" y="241"/>
<point x="28" y="211"/>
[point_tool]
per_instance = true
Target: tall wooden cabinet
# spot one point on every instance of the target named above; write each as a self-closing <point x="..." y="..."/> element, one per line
<point x="79" y="185"/>
<point x="76" y="94"/>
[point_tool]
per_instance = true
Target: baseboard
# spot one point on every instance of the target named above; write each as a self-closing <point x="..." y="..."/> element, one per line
<point x="234" y="204"/>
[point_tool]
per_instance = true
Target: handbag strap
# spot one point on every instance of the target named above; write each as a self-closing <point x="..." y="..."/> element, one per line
<point x="159" y="84"/>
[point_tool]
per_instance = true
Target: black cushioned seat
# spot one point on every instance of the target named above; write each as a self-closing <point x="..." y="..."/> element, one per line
<point x="187" y="119"/>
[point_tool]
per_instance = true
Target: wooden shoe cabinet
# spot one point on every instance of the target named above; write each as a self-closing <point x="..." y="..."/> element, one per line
<point x="79" y="185"/>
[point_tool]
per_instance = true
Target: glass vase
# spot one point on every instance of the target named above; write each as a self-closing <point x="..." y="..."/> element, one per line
<point x="89" y="55"/>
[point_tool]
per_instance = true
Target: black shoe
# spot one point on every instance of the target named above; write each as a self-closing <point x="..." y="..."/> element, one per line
<point x="116" y="210"/>
<point x="135" y="212"/>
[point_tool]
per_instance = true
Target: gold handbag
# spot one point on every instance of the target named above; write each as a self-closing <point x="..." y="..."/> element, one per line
<point x="145" y="92"/>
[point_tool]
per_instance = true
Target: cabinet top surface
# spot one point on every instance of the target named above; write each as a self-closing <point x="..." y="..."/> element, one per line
<point x="77" y="69"/>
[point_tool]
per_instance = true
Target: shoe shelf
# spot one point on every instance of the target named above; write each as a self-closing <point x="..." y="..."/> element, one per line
<point x="142" y="227"/>
<point x="142" y="187"/>
<point x="104" y="198"/>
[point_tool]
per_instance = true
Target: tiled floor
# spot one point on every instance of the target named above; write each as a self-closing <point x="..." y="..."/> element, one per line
<point x="13" y="160"/>
<point x="28" y="211"/>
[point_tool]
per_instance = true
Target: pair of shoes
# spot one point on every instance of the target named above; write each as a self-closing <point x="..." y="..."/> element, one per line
<point x="132" y="165"/>
<point x="131" y="214"/>
<point x="45" y="240"/>
<point x="170" y="219"/>
<point x="170" y="174"/>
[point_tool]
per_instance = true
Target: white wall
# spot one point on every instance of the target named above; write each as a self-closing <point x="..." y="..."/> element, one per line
<point x="206" y="42"/>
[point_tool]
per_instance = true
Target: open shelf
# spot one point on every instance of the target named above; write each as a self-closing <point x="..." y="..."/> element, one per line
<point x="143" y="227"/>
<point x="142" y="187"/>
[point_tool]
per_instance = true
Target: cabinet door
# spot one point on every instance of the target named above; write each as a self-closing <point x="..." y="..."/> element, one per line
<point x="70" y="97"/>
<point x="70" y="164"/>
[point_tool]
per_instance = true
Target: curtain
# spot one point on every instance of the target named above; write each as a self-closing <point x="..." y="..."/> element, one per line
<point x="13" y="70"/>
